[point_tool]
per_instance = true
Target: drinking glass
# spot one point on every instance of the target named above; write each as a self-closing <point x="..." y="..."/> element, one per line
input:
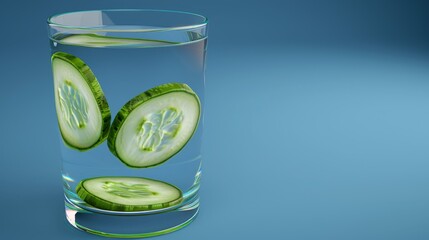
<point x="129" y="98"/>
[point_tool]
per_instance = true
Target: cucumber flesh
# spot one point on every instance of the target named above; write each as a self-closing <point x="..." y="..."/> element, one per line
<point x="82" y="109"/>
<point x="95" y="40"/>
<point x="128" y="193"/>
<point x="155" y="125"/>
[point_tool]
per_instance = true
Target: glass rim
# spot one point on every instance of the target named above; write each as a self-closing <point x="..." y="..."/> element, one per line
<point x="101" y="28"/>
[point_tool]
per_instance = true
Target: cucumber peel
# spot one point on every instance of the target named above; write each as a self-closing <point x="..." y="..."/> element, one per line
<point x="155" y="125"/>
<point x="128" y="194"/>
<point x="82" y="109"/>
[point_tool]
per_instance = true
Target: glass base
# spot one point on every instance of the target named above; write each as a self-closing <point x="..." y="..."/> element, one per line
<point x="132" y="226"/>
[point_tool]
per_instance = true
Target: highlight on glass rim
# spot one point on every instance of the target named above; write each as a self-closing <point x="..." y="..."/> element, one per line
<point x="129" y="100"/>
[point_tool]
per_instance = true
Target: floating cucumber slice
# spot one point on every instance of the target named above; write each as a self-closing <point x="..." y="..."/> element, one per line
<point x="155" y="125"/>
<point x="128" y="193"/>
<point x="82" y="110"/>
<point x="95" y="40"/>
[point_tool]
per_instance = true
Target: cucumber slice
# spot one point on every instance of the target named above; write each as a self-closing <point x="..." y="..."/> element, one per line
<point x="128" y="194"/>
<point x="82" y="109"/>
<point x="155" y="125"/>
<point x="95" y="40"/>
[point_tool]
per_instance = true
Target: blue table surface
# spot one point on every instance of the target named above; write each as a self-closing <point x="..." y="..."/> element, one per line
<point x="300" y="143"/>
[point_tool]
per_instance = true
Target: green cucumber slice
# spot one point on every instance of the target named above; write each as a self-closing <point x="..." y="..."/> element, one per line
<point x="128" y="194"/>
<point x="155" y="125"/>
<point x="95" y="40"/>
<point x="82" y="109"/>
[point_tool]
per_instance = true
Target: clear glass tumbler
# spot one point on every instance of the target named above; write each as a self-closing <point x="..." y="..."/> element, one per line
<point x="129" y="97"/>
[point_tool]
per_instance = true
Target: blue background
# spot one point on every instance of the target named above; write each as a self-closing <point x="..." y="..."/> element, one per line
<point x="317" y="122"/>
